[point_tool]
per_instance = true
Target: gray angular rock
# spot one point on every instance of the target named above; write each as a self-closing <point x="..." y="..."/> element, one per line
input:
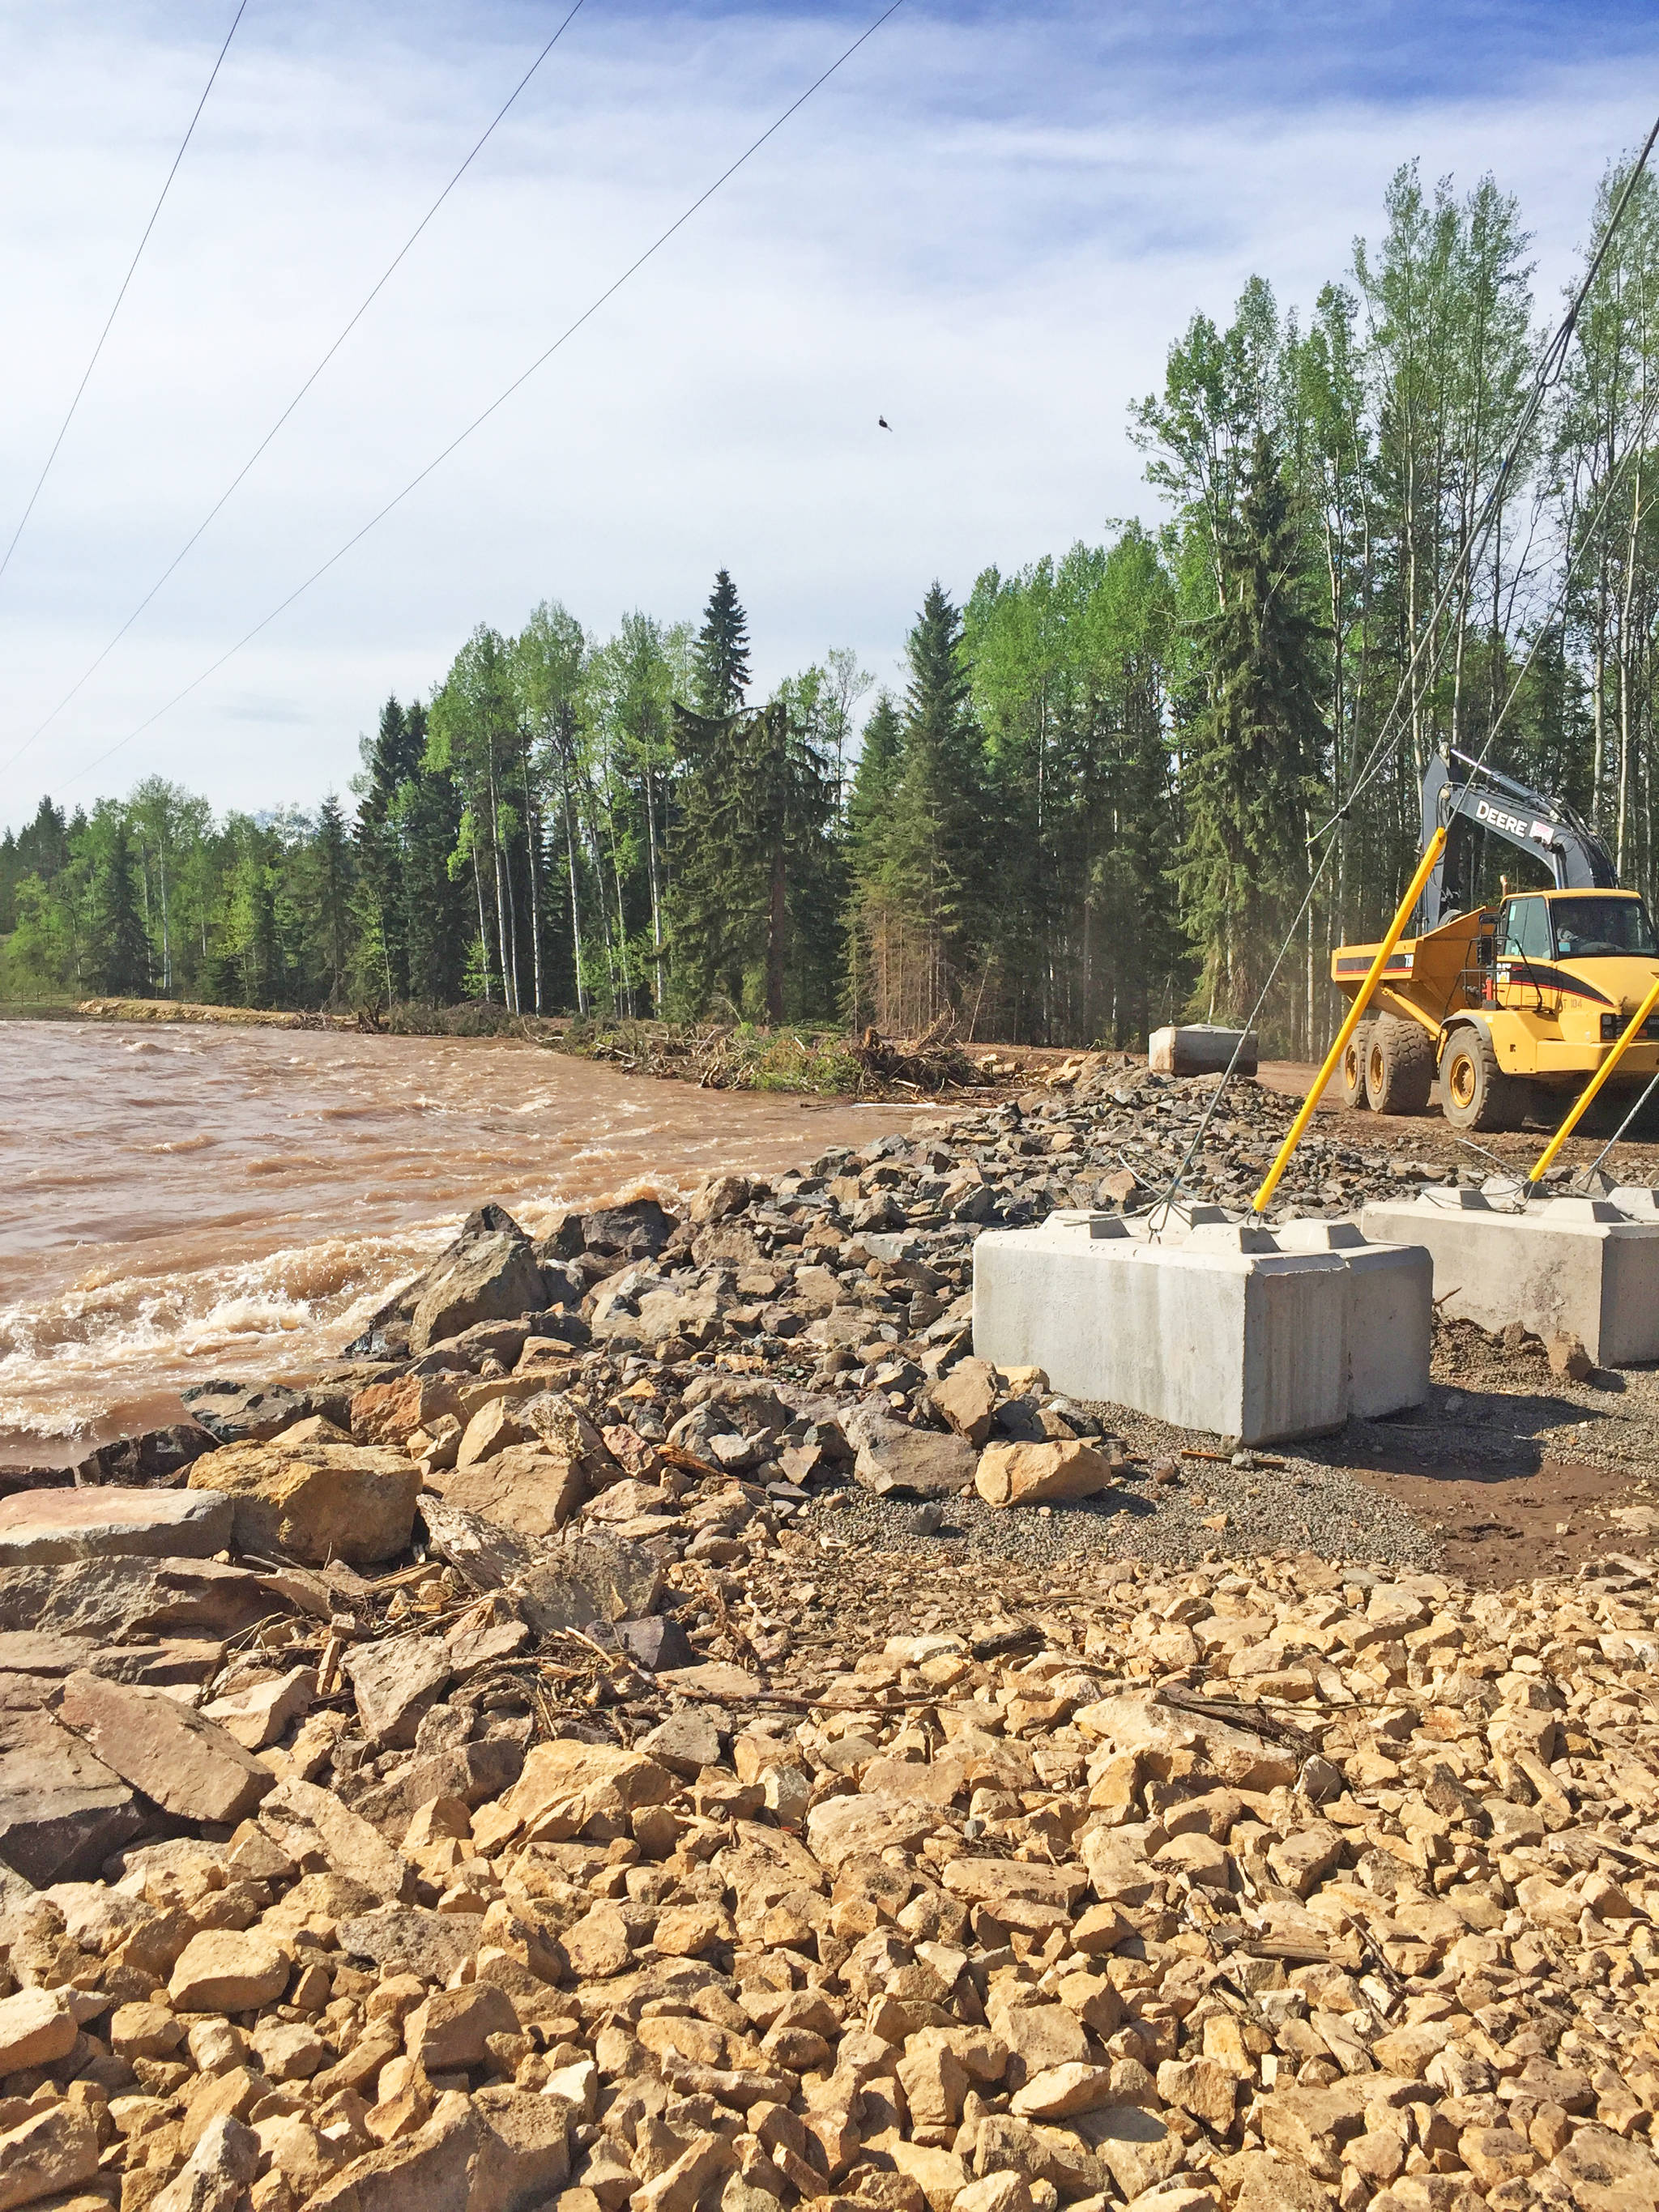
<point x="407" y="1939"/>
<point x="590" y="1576"/>
<point x="486" y="1555"/>
<point x="656" y="1643"/>
<point x="640" y="1306"/>
<point x="489" y="1273"/>
<point x="685" y="1743"/>
<point x="155" y="1456"/>
<point x="250" y="1412"/>
<point x="896" y="1460"/>
<point x="638" y="1230"/>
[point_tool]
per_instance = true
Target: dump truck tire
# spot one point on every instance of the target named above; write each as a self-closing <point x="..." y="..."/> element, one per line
<point x="1479" y="1095"/>
<point x="1352" y="1074"/>
<point x="1399" y="1066"/>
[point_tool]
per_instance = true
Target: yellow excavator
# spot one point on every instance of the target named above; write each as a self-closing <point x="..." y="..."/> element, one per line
<point x="1505" y="1010"/>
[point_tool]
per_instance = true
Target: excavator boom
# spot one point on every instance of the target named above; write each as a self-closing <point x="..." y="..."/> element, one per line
<point x="1547" y="828"/>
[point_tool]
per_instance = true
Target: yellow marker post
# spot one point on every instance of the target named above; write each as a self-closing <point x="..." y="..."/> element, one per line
<point x="1587" y="1094"/>
<point x="1294" y="1135"/>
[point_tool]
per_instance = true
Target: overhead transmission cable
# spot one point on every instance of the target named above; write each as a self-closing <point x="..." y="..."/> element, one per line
<point x="368" y="301"/>
<point x="1551" y="365"/>
<point x="109" y="319"/>
<point x="500" y="400"/>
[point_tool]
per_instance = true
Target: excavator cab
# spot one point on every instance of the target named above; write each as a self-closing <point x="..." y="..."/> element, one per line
<point x="1613" y="926"/>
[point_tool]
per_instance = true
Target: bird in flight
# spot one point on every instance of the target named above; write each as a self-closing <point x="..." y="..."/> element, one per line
<point x="883" y="423"/>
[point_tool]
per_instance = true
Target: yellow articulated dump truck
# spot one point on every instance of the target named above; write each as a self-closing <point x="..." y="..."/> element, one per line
<point x="1505" y="1012"/>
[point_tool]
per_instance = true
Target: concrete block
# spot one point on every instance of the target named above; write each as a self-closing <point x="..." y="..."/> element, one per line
<point x="1198" y="1049"/>
<point x="1586" y="1268"/>
<point x="1218" y="1325"/>
<point x="1390" y="1315"/>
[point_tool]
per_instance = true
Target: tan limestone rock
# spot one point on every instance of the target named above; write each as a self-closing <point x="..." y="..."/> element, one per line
<point x="319" y="1502"/>
<point x="188" y="1764"/>
<point x="967" y="1398"/>
<point x="262" y="1714"/>
<point x="522" y="1487"/>
<point x="1040" y="1474"/>
<point x="37" y="2027"/>
<point x="54" y="2149"/>
<point x="223" y="1971"/>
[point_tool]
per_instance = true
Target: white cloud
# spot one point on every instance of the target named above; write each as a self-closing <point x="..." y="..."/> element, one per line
<point x="988" y="228"/>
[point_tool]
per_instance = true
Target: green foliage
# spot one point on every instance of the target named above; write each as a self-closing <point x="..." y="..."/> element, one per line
<point x="720" y="665"/>
<point x="1256" y="751"/>
<point x="1092" y="804"/>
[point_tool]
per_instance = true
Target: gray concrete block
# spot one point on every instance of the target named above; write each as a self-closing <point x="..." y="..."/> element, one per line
<point x="1390" y="1315"/>
<point x="1586" y="1268"/>
<point x="1223" y="1326"/>
<point x="1199" y="1048"/>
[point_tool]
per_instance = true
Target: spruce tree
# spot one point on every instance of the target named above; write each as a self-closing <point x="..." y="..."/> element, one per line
<point x="926" y="908"/>
<point x="721" y="665"/>
<point x="123" y="947"/>
<point x="750" y="854"/>
<point x="390" y="758"/>
<point x="869" y="817"/>
<point x="1255" y="751"/>
<point x="332" y="857"/>
<point x="707" y="860"/>
<point x="436" y="901"/>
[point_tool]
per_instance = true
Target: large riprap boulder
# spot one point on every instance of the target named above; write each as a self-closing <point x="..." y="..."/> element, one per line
<point x="39" y="1527"/>
<point x="894" y="1459"/>
<point x="188" y="1765"/>
<point x="315" y="1501"/>
<point x="1042" y="1473"/>
<point x="642" y="1306"/>
<point x="132" y="1598"/>
<point x="490" y="1273"/>
<point x="62" y="1811"/>
<point x="252" y="1412"/>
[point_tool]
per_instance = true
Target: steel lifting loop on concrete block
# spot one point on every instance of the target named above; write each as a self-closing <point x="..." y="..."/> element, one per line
<point x="1586" y="1097"/>
<point x="1431" y="853"/>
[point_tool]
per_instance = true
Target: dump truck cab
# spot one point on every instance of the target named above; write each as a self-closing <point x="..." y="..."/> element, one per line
<point x="1514" y="1005"/>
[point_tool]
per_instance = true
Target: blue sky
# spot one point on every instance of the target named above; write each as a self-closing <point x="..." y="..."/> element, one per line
<point x="987" y="227"/>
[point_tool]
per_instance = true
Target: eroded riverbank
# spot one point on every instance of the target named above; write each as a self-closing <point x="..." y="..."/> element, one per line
<point x="180" y="1200"/>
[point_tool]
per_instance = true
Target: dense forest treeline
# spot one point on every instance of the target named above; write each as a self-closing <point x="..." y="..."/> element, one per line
<point x="1095" y="802"/>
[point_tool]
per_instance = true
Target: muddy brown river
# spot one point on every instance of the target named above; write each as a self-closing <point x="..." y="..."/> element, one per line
<point x="180" y="1201"/>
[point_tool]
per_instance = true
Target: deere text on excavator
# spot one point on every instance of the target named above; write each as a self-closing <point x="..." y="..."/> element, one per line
<point x="1513" y="1007"/>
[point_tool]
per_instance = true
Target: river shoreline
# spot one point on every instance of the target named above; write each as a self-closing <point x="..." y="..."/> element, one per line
<point x="184" y="1201"/>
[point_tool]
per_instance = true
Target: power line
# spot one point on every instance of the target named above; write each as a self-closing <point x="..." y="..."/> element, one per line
<point x="86" y="376"/>
<point x="368" y="301"/>
<point x="500" y="400"/>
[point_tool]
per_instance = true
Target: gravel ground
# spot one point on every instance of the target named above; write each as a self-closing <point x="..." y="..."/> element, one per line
<point x="1209" y="1509"/>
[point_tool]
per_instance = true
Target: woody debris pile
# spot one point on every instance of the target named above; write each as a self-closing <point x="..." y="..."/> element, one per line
<point x="505" y="1771"/>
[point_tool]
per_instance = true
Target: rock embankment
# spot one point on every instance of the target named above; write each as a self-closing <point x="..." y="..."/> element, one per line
<point x="501" y="1773"/>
